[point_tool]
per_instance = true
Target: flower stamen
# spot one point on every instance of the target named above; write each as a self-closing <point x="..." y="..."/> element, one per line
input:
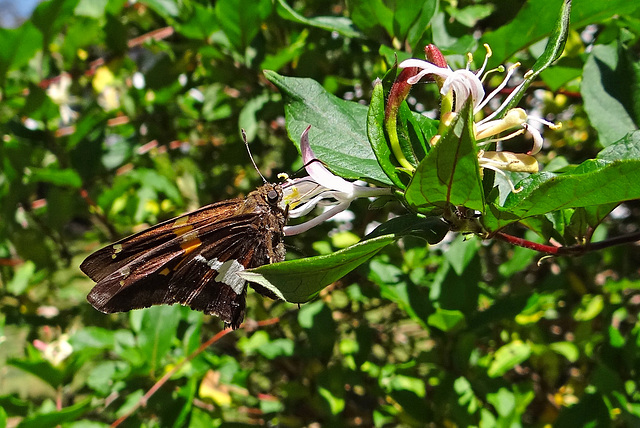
<point x="320" y="188"/>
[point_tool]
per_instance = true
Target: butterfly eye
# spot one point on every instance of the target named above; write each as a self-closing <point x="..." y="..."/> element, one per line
<point x="272" y="197"/>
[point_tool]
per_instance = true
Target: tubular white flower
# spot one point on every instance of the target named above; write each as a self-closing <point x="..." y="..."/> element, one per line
<point x="59" y="93"/>
<point x="321" y="188"/>
<point x="465" y="84"/>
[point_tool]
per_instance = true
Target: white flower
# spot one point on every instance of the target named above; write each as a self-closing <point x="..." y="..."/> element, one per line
<point x="58" y="92"/>
<point x="320" y="188"/>
<point x="464" y="84"/>
<point x="55" y="352"/>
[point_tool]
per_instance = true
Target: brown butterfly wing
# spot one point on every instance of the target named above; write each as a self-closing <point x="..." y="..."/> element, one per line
<point x="111" y="258"/>
<point x="191" y="260"/>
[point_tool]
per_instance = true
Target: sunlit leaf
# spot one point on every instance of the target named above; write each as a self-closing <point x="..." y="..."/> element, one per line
<point x="66" y="414"/>
<point x="609" y="89"/>
<point x="340" y="24"/>
<point x="338" y="128"/>
<point x="240" y="19"/>
<point x="450" y="173"/>
<point x="298" y="281"/>
<point x="610" y="178"/>
<point x="507" y="357"/>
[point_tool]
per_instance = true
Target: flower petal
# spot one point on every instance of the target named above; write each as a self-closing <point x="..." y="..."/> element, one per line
<point x="318" y="171"/>
<point x="427" y="68"/>
<point x="508" y="161"/>
<point x="514" y="118"/>
<point x="464" y="84"/>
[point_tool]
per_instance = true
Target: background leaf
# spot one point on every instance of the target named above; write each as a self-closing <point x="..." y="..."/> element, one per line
<point x="338" y="128"/>
<point x="595" y="182"/>
<point x="240" y="19"/>
<point x="611" y="108"/>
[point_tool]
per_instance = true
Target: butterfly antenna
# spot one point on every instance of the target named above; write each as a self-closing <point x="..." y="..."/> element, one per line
<point x="246" y="144"/>
<point x="306" y="165"/>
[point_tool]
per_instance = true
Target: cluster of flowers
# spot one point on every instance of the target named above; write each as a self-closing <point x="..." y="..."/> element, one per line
<point x="322" y="188"/>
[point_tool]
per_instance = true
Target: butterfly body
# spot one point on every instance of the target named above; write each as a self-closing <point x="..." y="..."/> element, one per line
<point x="193" y="259"/>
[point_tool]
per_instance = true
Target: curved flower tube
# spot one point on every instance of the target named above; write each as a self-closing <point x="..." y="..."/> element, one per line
<point x="320" y="188"/>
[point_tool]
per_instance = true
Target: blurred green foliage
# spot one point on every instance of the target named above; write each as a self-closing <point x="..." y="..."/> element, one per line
<point x="116" y="115"/>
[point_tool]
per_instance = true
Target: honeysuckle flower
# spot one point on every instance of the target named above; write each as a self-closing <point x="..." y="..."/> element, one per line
<point x="321" y="188"/>
<point x="55" y="352"/>
<point x="465" y="84"/>
<point x="58" y="92"/>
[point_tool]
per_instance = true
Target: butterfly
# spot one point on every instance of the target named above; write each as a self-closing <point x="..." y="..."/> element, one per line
<point x="193" y="259"/>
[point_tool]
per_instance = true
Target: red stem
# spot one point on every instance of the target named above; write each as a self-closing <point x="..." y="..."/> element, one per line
<point x="570" y="249"/>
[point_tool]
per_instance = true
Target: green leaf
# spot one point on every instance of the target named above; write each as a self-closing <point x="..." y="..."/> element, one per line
<point x="536" y="19"/>
<point x="132" y="400"/>
<point x="50" y="16"/>
<point x="157" y="323"/>
<point x="396" y="287"/>
<point x="91" y="8"/>
<point x="20" y="281"/>
<point x="569" y="350"/>
<point x="591" y="306"/>
<point x="201" y="24"/>
<point x="241" y="19"/>
<point x="298" y="281"/>
<point x="610" y="178"/>
<point x="416" y="129"/>
<point x="609" y="88"/>
<point x="446" y="320"/>
<point x="507" y="357"/>
<point x="452" y="291"/>
<point x="105" y="374"/>
<point x="372" y="17"/>
<point x="586" y="219"/>
<point x="470" y="15"/>
<point x="92" y="338"/>
<point x="340" y="24"/>
<point x="3" y="418"/>
<point x="18" y="47"/>
<point x="411" y="19"/>
<point x="406" y="383"/>
<point x="248" y="118"/>
<point x="461" y="252"/>
<point x="261" y="343"/>
<point x="450" y="173"/>
<point x="431" y="229"/>
<point x="59" y="177"/>
<point x="164" y="8"/>
<point x="271" y="405"/>
<point x="405" y="21"/>
<point x="336" y="404"/>
<point x="40" y="368"/>
<point x="552" y="52"/>
<point x="338" y="132"/>
<point x="66" y="414"/>
<point x="518" y="260"/>
<point x="504" y="401"/>
<point x="290" y="53"/>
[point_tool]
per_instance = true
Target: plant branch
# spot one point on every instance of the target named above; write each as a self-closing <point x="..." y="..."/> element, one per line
<point x="571" y="249"/>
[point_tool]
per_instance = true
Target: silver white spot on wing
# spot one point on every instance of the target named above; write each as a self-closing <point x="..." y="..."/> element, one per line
<point x="227" y="272"/>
